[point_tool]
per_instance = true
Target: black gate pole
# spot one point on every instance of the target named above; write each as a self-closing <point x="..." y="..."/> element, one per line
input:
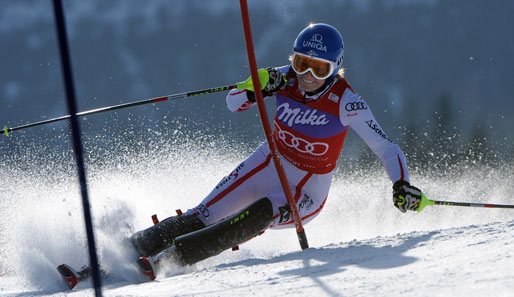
<point x="77" y="142"/>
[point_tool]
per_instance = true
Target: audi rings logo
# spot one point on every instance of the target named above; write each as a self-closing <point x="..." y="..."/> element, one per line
<point x="300" y="144"/>
<point x="354" y="106"/>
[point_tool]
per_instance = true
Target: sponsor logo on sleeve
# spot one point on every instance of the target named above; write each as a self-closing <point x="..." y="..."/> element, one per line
<point x="376" y="128"/>
<point x="354" y="106"/>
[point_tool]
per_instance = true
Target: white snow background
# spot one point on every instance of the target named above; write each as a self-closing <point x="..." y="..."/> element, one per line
<point x="360" y="245"/>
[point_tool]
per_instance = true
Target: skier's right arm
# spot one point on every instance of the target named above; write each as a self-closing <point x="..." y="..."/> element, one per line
<point x="237" y="100"/>
<point x="241" y="98"/>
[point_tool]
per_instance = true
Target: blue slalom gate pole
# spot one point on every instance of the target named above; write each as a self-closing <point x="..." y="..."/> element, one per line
<point x="77" y="142"/>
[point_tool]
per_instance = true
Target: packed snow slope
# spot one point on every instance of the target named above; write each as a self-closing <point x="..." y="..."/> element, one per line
<point x="360" y="245"/>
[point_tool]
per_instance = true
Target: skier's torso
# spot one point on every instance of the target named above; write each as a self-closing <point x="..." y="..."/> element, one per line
<point x="308" y="131"/>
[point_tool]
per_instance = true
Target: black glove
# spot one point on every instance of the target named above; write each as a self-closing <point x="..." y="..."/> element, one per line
<point x="405" y="196"/>
<point x="276" y="82"/>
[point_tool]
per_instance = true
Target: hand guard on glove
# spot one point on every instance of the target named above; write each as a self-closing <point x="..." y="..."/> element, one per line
<point x="276" y="82"/>
<point x="272" y="81"/>
<point x="405" y="196"/>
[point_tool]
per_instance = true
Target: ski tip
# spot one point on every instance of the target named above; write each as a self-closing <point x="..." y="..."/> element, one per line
<point x="146" y="267"/>
<point x="69" y="275"/>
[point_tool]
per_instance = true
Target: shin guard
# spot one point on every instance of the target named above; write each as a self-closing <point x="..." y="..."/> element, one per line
<point x="159" y="237"/>
<point x="214" y="239"/>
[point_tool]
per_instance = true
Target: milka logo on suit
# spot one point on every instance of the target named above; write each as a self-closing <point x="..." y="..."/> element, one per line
<point x="297" y="116"/>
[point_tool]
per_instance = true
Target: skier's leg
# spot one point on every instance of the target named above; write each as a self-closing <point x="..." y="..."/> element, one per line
<point x="249" y="181"/>
<point x="214" y="239"/>
<point x="153" y="240"/>
<point x="310" y="195"/>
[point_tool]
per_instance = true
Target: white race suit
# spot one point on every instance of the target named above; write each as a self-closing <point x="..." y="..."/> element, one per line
<point x="309" y="132"/>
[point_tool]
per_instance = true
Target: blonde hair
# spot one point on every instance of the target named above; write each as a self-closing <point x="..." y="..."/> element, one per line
<point x="341" y="72"/>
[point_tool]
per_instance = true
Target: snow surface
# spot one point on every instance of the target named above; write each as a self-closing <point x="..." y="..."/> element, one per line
<point x="360" y="244"/>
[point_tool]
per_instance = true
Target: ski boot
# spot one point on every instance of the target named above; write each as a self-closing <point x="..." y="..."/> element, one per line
<point x="73" y="277"/>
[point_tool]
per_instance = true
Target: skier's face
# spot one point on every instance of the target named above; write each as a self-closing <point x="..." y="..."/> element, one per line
<point x="308" y="82"/>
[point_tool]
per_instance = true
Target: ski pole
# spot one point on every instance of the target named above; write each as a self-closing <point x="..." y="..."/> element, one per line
<point x="425" y="201"/>
<point x="7" y="130"/>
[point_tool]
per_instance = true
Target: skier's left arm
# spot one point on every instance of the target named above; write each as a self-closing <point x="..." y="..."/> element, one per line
<point x="356" y="113"/>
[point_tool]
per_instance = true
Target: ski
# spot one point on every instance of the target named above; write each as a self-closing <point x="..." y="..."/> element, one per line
<point x="147" y="266"/>
<point x="73" y="277"/>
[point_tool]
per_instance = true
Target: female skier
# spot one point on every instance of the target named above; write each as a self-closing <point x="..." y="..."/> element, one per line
<point x="315" y="107"/>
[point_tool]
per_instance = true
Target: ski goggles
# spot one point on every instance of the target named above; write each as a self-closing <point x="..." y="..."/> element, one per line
<point x="320" y="68"/>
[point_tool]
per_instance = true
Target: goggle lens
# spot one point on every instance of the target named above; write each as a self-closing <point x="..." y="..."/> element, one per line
<point x="320" y="69"/>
